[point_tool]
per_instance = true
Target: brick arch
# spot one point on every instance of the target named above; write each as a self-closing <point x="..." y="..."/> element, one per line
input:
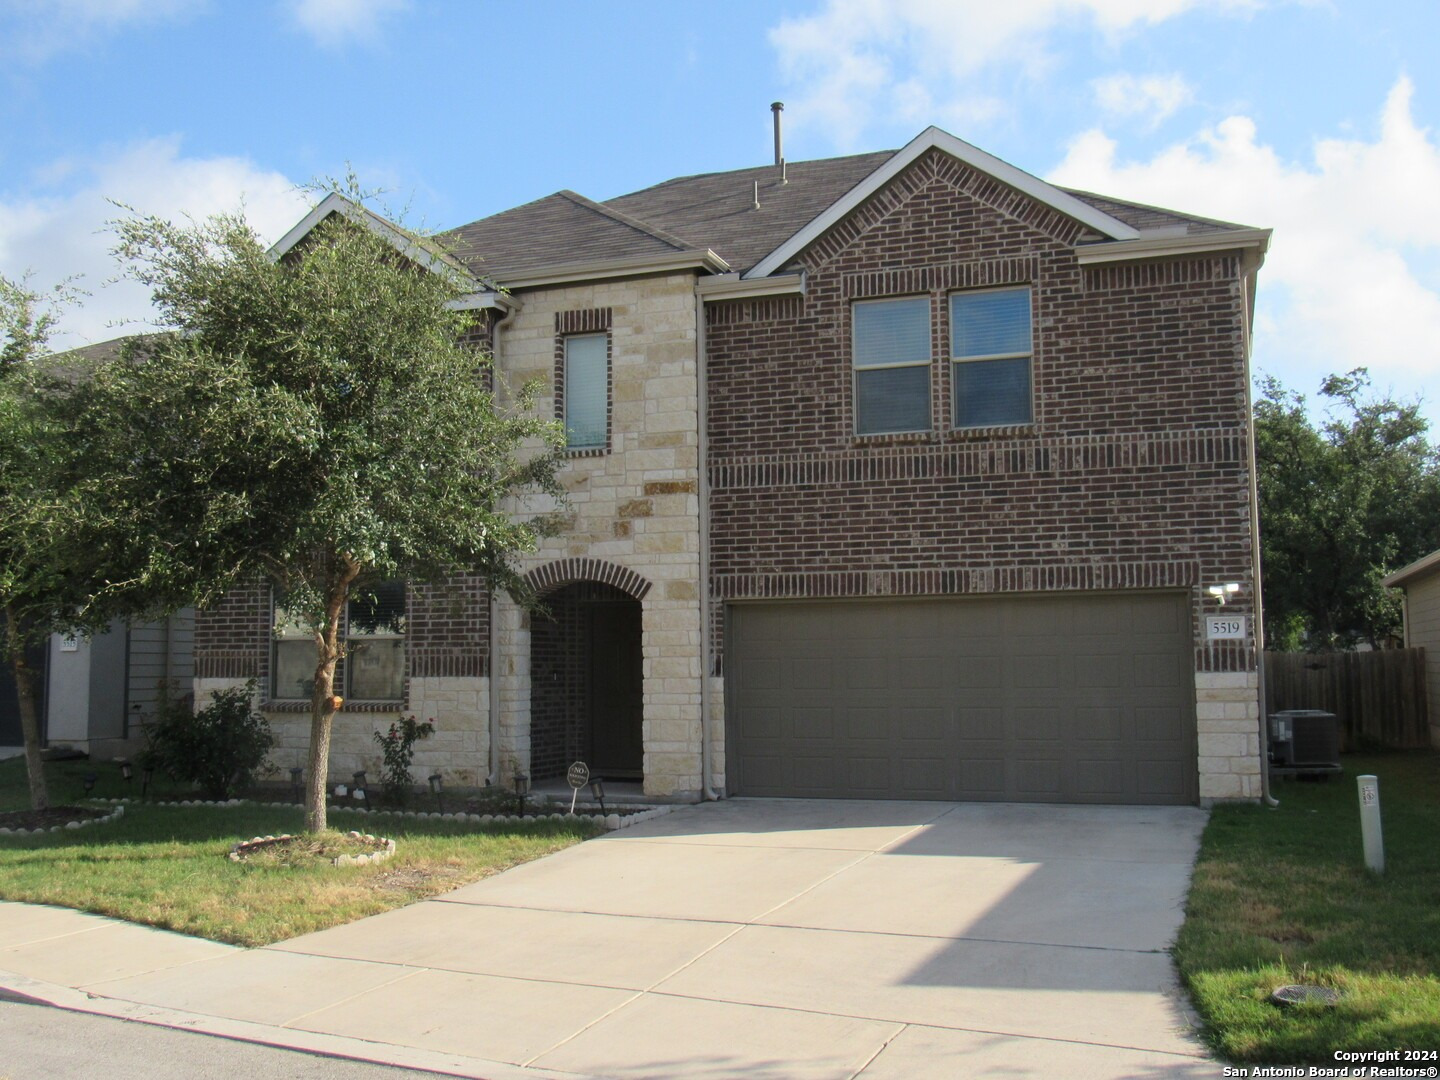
<point x="562" y="572"/>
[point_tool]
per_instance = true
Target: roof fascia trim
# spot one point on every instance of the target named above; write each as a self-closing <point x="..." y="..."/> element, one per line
<point x="1156" y="247"/>
<point x="1420" y="568"/>
<point x="734" y="287"/>
<point x="488" y="300"/>
<point x="398" y="238"/>
<point x="632" y="266"/>
<point x="934" y="138"/>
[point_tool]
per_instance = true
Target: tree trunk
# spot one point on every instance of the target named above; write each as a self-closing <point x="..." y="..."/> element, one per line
<point x="29" y="710"/>
<point x="322" y="699"/>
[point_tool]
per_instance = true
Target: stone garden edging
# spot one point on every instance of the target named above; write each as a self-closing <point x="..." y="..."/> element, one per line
<point x="81" y="823"/>
<point x="610" y="822"/>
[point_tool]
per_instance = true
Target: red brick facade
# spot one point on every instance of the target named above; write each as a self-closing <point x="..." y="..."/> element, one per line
<point x="1133" y="474"/>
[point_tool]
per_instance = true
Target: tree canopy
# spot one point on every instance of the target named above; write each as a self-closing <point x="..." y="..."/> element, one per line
<point x="1342" y="503"/>
<point x="321" y="422"/>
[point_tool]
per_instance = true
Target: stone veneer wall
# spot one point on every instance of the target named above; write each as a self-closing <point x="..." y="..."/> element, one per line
<point x="634" y="507"/>
<point x="1227" y="710"/>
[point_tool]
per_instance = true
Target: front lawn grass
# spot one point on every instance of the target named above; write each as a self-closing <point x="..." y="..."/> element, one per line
<point x="1282" y="896"/>
<point x="167" y="866"/>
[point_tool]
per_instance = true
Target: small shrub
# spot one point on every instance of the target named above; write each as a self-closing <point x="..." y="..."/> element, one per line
<point x="397" y="746"/>
<point x="219" y="748"/>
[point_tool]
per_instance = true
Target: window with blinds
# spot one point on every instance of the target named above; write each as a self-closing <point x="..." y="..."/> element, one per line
<point x="892" y="365"/>
<point x="990" y="350"/>
<point x="587" y="392"/>
<point x="375" y="643"/>
<point x="292" y="658"/>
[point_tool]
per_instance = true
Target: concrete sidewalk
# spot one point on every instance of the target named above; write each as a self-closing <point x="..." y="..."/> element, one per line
<point x="756" y="938"/>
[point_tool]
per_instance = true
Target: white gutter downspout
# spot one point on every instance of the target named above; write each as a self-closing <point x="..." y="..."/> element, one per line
<point x="707" y="769"/>
<point x="1247" y="282"/>
<point x="494" y="777"/>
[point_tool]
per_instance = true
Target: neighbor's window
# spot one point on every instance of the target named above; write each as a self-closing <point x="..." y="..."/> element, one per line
<point x="292" y="667"/>
<point x="375" y="643"/>
<point x="587" y="391"/>
<point x="991" y="351"/>
<point x="892" y="365"/>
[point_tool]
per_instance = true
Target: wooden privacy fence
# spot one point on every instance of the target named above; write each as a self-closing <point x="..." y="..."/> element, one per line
<point x="1379" y="697"/>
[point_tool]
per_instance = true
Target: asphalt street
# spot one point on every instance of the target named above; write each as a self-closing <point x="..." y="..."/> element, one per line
<point x="44" y="1043"/>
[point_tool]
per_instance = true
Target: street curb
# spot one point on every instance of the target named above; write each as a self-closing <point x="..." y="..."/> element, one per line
<point x="25" y="990"/>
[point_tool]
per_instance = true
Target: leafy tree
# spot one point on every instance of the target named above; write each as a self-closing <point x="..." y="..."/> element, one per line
<point x="316" y="422"/>
<point x="1341" y="505"/>
<point x="33" y="588"/>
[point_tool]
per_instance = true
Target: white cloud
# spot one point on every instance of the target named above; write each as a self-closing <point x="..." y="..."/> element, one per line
<point x="35" y="30"/>
<point x="58" y="234"/>
<point x="333" y="23"/>
<point x="1150" y="98"/>
<point x="1357" y="227"/>
<point x="857" y="61"/>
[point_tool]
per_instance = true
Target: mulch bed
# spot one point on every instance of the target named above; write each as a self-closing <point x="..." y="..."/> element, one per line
<point x="54" y="815"/>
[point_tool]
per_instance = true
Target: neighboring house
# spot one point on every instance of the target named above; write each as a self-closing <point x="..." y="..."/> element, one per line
<point x="97" y="692"/>
<point x="904" y="474"/>
<point x="1421" y="584"/>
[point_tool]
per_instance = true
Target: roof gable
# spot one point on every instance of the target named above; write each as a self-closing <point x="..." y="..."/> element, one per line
<point x="936" y="139"/>
<point x="415" y="248"/>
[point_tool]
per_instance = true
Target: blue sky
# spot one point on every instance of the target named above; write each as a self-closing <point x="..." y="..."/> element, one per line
<point x="1313" y="118"/>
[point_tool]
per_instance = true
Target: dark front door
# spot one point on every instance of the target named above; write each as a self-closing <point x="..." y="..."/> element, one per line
<point x="615" y="687"/>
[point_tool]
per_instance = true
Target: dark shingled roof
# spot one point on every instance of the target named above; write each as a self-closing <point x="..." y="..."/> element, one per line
<point x="707" y="210"/>
<point x="560" y="228"/>
<point x="717" y="210"/>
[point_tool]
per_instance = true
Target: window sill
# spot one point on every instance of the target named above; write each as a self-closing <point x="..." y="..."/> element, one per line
<point x="294" y="706"/>
<point x="893" y="438"/>
<point x="998" y="431"/>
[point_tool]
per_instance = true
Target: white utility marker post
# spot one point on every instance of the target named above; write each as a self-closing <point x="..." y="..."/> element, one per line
<point x="1370" y="824"/>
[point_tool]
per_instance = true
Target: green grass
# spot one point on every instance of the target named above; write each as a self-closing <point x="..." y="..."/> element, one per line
<point x="1283" y="896"/>
<point x="166" y="866"/>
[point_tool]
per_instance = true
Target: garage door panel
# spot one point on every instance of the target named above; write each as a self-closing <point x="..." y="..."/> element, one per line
<point x="1098" y="724"/>
<point x="1084" y="698"/>
<point x="1036" y="780"/>
<point x="981" y="777"/>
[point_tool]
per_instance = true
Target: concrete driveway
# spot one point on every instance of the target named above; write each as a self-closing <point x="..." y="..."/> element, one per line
<point x="757" y="938"/>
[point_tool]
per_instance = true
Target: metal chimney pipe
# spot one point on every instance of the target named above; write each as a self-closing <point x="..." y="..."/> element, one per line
<point x="776" y="108"/>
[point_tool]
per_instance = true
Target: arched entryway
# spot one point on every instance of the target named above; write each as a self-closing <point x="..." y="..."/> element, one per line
<point x="586" y="682"/>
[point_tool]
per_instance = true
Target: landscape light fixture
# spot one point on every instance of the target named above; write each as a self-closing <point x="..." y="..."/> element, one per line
<point x="437" y="783"/>
<point x="1224" y="592"/>
<point x="89" y="781"/>
<point x="127" y="772"/>
<point x="597" y="792"/>
<point x="146" y="775"/>
<point x="295" y="776"/>
<point x="522" y="788"/>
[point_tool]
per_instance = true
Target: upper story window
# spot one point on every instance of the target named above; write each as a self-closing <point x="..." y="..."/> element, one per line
<point x="990" y="350"/>
<point x="586" y="403"/>
<point x="892" y="365"/>
<point x="374" y="665"/>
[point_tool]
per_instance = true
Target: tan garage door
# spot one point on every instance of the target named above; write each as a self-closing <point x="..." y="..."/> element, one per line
<point x="1076" y="699"/>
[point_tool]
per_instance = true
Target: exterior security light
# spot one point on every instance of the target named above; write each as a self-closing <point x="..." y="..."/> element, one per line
<point x="522" y="788"/>
<point x="1224" y="592"/>
<point x="437" y="784"/>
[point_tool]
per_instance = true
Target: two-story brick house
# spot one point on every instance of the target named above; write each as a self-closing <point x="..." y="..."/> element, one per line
<point x="904" y="474"/>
